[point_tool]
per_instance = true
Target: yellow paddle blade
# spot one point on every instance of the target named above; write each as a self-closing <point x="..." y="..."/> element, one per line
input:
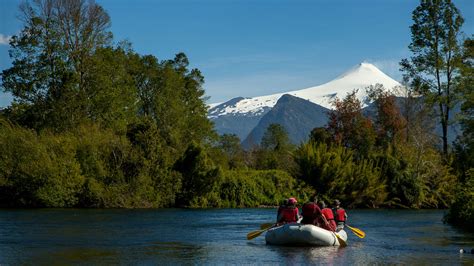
<point x="254" y="234"/>
<point x="357" y="231"/>
<point x="266" y="225"/>
<point x="342" y="243"/>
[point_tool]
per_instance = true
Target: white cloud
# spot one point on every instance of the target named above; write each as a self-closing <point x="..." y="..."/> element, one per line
<point x="4" y="39"/>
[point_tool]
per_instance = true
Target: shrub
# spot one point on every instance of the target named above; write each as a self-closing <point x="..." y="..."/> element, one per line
<point x="462" y="210"/>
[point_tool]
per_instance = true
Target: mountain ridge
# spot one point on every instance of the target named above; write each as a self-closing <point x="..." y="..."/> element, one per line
<point x="296" y="115"/>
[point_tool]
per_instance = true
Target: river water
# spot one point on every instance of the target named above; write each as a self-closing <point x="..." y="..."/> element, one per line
<point x="218" y="236"/>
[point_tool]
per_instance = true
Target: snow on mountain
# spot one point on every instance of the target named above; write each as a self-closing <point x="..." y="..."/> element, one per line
<point x="358" y="78"/>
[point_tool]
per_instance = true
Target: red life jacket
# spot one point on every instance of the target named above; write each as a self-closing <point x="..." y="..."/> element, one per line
<point x="288" y="215"/>
<point x="328" y="214"/>
<point x="340" y="215"/>
<point x="311" y="212"/>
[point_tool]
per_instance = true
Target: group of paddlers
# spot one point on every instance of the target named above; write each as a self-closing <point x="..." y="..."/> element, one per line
<point x="314" y="212"/>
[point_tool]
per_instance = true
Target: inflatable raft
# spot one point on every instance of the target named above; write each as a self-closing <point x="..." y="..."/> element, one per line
<point x="304" y="235"/>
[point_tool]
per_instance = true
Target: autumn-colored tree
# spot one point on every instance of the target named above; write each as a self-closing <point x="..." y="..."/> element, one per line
<point x="389" y="123"/>
<point x="349" y="127"/>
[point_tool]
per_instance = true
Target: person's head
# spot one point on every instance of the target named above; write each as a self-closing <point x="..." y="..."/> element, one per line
<point x="285" y="202"/>
<point x="292" y="201"/>
<point x="322" y="204"/>
<point x="315" y="198"/>
<point x="337" y="203"/>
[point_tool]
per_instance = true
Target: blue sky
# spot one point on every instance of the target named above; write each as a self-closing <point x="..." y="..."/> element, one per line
<point x="257" y="47"/>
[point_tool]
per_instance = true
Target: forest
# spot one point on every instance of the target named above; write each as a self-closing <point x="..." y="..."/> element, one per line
<point x="94" y="124"/>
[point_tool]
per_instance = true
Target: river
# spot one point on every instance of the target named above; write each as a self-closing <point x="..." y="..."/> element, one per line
<point x="218" y="236"/>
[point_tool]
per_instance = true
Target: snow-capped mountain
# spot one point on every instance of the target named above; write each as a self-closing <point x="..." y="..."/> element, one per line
<point x="357" y="78"/>
<point x="301" y="110"/>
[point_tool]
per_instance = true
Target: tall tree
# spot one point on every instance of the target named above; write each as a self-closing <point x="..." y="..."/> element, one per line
<point x="51" y="57"/>
<point x="436" y="55"/>
<point x="230" y="145"/>
<point x="172" y="95"/>
<point x="275" y="138"/>
<point x="199" y="174"/>
<point x="465" y="142"/>
<point x="275" y="151"/>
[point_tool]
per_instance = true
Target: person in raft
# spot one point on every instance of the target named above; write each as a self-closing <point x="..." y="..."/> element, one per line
<point x="311" y="212"/>
<point x="288" y="213"/>
<point x="282" y="206"/>
<point x="330" y="224"/>
<point x="340" y="215"/>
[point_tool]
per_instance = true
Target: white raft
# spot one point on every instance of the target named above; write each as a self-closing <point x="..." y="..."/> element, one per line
<point x="303" y="234"/>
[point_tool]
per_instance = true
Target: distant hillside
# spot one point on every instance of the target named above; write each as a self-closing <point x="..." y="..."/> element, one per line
<point x="233" y="122"/>
<point x="296" y="115"/>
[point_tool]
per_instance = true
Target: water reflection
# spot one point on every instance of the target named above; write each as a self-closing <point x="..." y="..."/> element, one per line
<point x="308" y="255"/>
<point x="323" y="255"/>
<point x="174" y="250"/>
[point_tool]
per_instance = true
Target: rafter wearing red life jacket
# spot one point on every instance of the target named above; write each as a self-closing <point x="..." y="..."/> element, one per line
<point x="340" y="215"/>
<point x="327" y="213"/>
<point x="288" y="214"/>
<point x="311" y="213"/>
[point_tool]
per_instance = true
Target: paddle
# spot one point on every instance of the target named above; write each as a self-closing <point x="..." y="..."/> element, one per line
<point x="266" y="225"/>
<point x="342" y="243"/>
<point x="357" y="231"/>
<point x="256" y="233"/>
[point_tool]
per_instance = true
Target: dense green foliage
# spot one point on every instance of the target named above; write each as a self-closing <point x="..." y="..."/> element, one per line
<point x="90" y="167"/>
<point x="37" y="170"/>
<point x="275" y="150"/>
<point x="335" y="173"/>
<point x="462" y="209"/>
<point x="253" y="188"/>
<point x="198" y="172"/>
